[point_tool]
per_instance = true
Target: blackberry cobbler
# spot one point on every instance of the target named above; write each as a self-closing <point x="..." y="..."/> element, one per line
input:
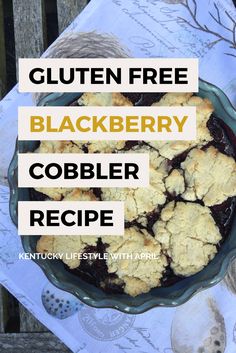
<point x="182" y="217"/>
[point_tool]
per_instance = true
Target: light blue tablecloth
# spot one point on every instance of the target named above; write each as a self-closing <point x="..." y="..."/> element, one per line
<point x="149" y="28"/>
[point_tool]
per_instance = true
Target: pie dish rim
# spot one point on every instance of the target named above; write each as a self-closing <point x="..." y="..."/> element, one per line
<point x="173" y="295"/>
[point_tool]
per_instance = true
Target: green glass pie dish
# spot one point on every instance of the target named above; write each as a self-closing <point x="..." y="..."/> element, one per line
<point x="172" y="295"/>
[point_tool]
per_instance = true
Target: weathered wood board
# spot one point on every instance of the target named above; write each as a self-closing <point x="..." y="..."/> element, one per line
<point x="67" y="10"/>
<point x="31" y="342"/>
<point x="29" y="28"/>
<point x="2" y="53"/>
<point x="28" y="323"/>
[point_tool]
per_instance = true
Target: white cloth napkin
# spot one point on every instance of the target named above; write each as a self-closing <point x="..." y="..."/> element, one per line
<point x="149" y="28"/>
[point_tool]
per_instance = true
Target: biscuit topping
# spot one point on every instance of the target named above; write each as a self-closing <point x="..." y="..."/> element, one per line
<point x="188" y="235"/>
<point x="170" y="149"/>
<point x="139" y="271"/>
<point x="210" y="176"/>
<point x="139" y="201"/>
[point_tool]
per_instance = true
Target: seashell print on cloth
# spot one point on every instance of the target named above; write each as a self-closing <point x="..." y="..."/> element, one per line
<point x="198" y="327"/>
<point x="230" y="278"/>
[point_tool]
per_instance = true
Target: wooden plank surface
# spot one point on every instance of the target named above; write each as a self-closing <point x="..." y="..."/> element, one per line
<point x="29" y="26"/>
<point x="28" y="323"/>
<point x="9" y="312"/>
<point x="31" y="342"/>
<point x="2" y="53"/>
<point x="67" y="10"/>
<point x="3" y="309"/>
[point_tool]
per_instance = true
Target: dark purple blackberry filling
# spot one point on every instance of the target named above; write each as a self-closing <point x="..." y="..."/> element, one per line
<point x="109" y="284"/>
<point x="224" y="138"/>
<point x="223" y="215"/>
<point x="143" y="99"/>
<point x="95" y="271"/>
<point x="133" y="97"/>
<point x="37" y="196"/>
<point x="169" y="278"/>
<point x="175" y="163"/>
